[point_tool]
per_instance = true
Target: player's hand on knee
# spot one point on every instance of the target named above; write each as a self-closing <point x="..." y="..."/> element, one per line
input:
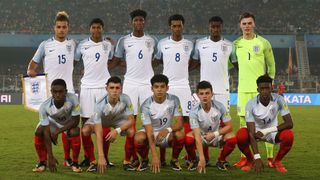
<point x="111" y="136"/>
<point x="209" y="136"/>
<point x="162" y="135"/>
<point x="52" y="163"/>
<point x="54" y="137"/>
<point x="258" y="135"/>
<point x="258" y="165"/>
<point x="102" y="165"/>
<point x="155" y="165"/>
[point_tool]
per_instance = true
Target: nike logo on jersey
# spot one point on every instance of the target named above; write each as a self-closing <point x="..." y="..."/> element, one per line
<point x="51" y="50"/>
<point x="205" y="47"/>
<point x="130" y="45"/>
<point x="86" y="48"/>
<point x="166" y="48"/>
<point x="239" y="47"/>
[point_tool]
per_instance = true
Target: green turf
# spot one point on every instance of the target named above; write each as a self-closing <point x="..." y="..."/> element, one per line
<point x="18" y="157"/>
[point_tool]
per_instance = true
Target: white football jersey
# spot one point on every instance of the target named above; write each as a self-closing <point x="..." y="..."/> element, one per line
<point x="266" y="116"/>
<point x="208" y="121"/>
<point x="160" y="116"/>
<point x="49" y="113"/>
<point x="110" y="116"/>
<point x="214" y="58"/>
<point x="57" y="60"/>
<point x="95" y="61"/>
<point x="137" y="52"/>
<point x="175" y="56"/>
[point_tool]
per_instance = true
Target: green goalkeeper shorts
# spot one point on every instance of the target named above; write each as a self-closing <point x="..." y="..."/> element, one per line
<point x="243" y="99"/>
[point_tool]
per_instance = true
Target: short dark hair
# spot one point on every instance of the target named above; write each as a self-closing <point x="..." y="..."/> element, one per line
<point x="59" y="82"/>
<point x="159" y="78"/>
<point x="138" y="12"/>
<point x="264" y="79"/>
<point x="96" y="21"/>
<point x="216" y="19"/>
<point x="176" y="17"/>
<point x="204" y="85"/>
<point x="62" y="16"/>
<point x="247" y="15"/>
<point x="114" y="79"/>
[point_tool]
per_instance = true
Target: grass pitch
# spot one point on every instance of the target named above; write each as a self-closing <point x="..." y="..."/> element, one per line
<point x="18" y="157"/>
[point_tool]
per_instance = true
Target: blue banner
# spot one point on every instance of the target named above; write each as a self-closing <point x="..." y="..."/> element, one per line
<point x="293" y="99"/>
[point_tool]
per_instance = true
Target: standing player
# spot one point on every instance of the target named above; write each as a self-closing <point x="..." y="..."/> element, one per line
<point x="57" y="54"/>
<point x="254" y="58"/>
<point x="95" y="52"/>
<point x="205" y="120"/>
<point x="262" y="125"/>
<point x="137" y="50"/>
<point x="113" y="110"/>
<point x="158" y="115"/>
<point x="215" y="55"/>
<point x="58" y="114"/>
<point x="175" y="52"/>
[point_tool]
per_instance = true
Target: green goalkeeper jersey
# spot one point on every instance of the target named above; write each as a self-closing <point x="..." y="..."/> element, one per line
<point x="254" y="58"/>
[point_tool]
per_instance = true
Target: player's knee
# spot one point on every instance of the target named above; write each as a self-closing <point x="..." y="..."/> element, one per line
<point x="179" y="135"/>
<point x="189" y="140"/>
<point x="140" y="138"/>
<point x="39" y="131"/>
<point x="286" y="136"/>
<point x="130" y="132"/>
<point x="242" y="136"/>
<point x="74" y="131"/>
<point x="86" y="130"/>
<point x="231" y="141"/>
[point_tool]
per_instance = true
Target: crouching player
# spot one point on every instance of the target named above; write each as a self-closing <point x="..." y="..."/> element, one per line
<point x="262" y="125"/>
<point x="114" y="110"/>
<point x="205" y="120"/>
<point x="58" y="114"/>
<point x="158" y="115"/>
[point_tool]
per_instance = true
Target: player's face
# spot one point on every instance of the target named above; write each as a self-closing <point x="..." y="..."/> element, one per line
<point x="58" y="93"/>
<point x="215" y="28"/>
<point x="96" y="30"/>
<point x="159" y="89"/>
<point x="265" y="90"/>
<point x="176" y="27"/>
<point x="205" y="95"/>
<point x="61" y="29"/>
<point x="138" y="23"/>
<point x="247" y="26"/>
<point x="114" y="90"/>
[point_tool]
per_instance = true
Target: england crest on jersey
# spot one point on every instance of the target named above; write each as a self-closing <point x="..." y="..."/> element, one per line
<point x="186" y="48"/>
<point x="224" y="48"/>
<point x="105" y="47"/>
<point x="256" y="48"/>
<point x="148" y="44"/>
<point x="69" y="48"/>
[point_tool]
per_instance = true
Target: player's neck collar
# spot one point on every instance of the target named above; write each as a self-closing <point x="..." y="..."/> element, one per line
<point x="258" y="98"/>
<point x="175" y="40"/>
<point x="132" y="35"/>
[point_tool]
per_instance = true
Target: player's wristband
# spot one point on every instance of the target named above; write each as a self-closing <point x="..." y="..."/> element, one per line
<point x="256" y="156"/>
<point x="169" y="129"/>
<point x="269" y="130"/>
<point x="216" y="134"/>
<point x="118" y="130"/>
